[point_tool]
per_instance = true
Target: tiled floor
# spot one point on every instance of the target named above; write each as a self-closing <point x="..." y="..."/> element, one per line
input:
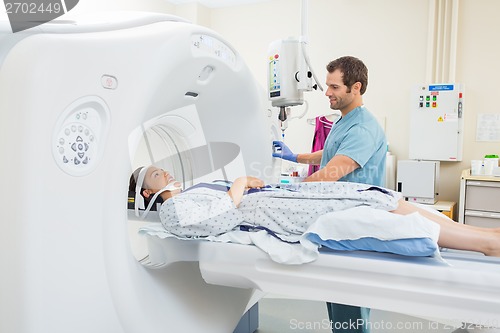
<point x="285" y="315"/>
<point x="278" y="315"/>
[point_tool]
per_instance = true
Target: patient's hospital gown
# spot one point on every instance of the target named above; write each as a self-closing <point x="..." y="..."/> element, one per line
<point x="207" y="209"/>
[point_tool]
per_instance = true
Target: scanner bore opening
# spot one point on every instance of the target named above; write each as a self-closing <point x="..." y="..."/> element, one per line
<point x="165" y="146"/>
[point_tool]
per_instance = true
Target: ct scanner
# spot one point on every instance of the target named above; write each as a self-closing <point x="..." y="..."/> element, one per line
<point x="81" y="106"/>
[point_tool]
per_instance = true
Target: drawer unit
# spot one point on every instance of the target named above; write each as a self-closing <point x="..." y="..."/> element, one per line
<point x="482" y="219"/>
<point x="479" y="200"/>
<point x="482" y="195"/>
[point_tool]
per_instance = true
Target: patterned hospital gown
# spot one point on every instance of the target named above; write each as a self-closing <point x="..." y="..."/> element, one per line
<point x="207" y="209"/>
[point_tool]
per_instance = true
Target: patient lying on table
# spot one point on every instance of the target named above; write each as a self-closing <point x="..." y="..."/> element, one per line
<point x="210" y="209"/>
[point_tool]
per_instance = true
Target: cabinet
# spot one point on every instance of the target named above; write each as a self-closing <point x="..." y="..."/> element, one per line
<point x="445" y="207"/>
<point x="479" y="200"/>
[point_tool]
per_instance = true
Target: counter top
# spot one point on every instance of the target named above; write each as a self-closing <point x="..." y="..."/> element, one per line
<point x="467" y="176"/>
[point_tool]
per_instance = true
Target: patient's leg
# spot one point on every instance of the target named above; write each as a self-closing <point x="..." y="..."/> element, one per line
<point x="458" y="236"/>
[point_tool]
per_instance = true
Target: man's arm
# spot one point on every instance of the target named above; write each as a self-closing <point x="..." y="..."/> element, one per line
<point x="310" y="158"/>
<point x="336" y="168"/>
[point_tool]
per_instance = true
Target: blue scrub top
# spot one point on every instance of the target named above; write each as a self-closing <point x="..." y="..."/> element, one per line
<point x="359" y="136"/>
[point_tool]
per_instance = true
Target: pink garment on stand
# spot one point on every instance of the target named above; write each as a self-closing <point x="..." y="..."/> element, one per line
<point x="323" y="127"/>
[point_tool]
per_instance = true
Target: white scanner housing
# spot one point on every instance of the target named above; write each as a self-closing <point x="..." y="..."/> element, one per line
<point x="82" y="104"/>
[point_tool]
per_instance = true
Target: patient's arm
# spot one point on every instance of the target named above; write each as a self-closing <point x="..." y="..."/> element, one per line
<point x="240" y="185"/>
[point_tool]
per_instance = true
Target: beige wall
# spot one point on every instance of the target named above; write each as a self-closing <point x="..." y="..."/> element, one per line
<point x="362" y="28"/>
<point x="390" y="36"/>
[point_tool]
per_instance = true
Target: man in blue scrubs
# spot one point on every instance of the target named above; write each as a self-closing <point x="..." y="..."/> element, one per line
<point x="354" y="151"/>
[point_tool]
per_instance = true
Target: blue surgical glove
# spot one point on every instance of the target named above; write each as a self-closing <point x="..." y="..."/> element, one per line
<point x="284" y="152"/>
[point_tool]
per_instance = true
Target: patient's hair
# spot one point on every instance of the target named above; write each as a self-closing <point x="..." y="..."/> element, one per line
<point x="353" y="70"/>
<point x="133" y="184"/>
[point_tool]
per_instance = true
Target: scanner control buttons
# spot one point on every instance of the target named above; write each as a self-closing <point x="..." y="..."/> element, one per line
<point x="79" y="136"/>
<point x="75" y="144"/>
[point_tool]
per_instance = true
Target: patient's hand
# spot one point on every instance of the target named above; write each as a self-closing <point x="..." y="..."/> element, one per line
<point x="253" y="182"/>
